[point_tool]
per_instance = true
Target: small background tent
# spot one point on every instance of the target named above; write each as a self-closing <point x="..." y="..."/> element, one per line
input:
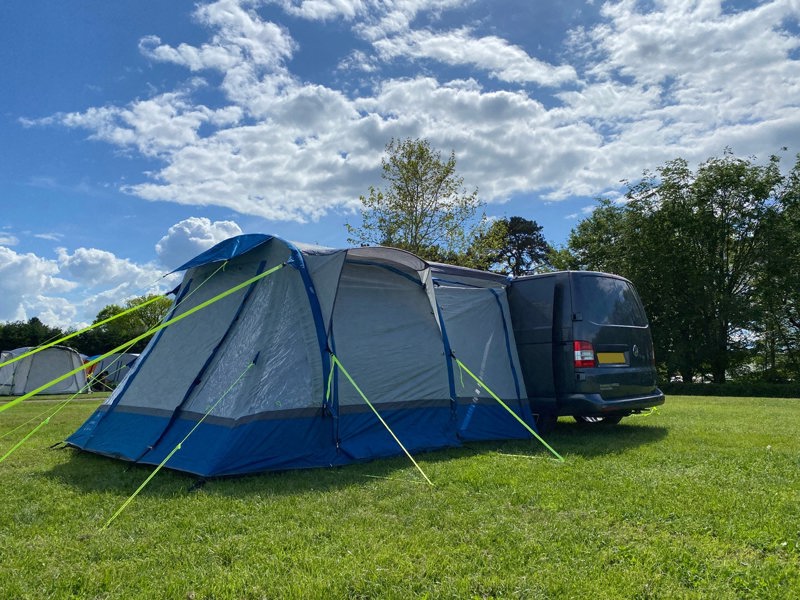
<point x="29" y="373"/>
<point x="252" y="375"/>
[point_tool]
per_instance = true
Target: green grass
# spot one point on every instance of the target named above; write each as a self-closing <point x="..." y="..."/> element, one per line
<point x="699" y="500"/>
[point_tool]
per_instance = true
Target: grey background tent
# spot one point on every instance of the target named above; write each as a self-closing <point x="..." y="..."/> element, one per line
<point x="115" y="367"/>
<point x="31" y="372"/>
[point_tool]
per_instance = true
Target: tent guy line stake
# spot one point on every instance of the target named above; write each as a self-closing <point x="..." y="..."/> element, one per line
<point x="340" y="366"/>
<point x="103" y="322"/>
<point x="150" y="332"/>
<point x="504" y="405"/>
<point x="178" y="446"/>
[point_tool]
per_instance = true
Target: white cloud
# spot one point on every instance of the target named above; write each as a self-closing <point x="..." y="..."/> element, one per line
<point x="192" y="236"/>
<point x="492" y="54"/>
<point x="6" y="239"/>
<point x="241" y="38"/>
<point x="98" y="268"/>
<point x="155" y="127"/>
<point x="322" y="10"/>
<point x="52" y="237"/>
<point x="24" y="280"/>
<point x="637" y="88"/>
<point x="70" y="290"/>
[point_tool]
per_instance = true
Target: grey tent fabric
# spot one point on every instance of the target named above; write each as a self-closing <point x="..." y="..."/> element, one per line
<point x="478" y="328"/>
<point x="31" y="372"/>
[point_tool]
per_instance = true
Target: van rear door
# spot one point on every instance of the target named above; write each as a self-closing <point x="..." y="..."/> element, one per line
<point x="608" y="313"/>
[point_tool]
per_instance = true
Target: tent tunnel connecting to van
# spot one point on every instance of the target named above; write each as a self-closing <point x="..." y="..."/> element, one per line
<point x="399" y="325"/>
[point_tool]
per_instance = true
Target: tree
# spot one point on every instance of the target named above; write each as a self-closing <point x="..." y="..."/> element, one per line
<point x="514" y="246"/>
<point x="31" y="333"/>
<point x="125" y="328"/>
<point x="778" y="287"/>
<point x="424" y="207"/>
<point x="696" y="245"/>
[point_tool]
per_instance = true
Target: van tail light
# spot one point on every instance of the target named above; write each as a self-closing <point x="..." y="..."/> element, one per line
<point x="584" y="355"/>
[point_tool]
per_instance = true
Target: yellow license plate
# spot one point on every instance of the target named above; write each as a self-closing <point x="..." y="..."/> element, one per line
<point x="611" y="358"/>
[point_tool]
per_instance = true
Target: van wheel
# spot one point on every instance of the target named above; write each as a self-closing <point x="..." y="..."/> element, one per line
<point x="545" y="423"/>
<point x="609" y="420"/>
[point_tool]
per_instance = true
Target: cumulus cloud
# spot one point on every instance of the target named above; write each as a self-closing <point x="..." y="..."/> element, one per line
<point x="25" y="280"/>
<point x="495" y="55"/>
<point x="192" y="236"/>
<point x="642" y="85"/>
<point x="71" y="289"/>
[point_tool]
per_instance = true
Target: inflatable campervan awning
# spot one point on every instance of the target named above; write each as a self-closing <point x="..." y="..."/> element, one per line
<point x="252" y="376"/>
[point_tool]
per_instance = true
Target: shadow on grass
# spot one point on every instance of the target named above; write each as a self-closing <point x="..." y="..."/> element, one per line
<point x="598" y="440"/>
<point x="92" y="473"/>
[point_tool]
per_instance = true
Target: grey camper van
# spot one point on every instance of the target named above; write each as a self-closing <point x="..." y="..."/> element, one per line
<point x="584" y="345"/>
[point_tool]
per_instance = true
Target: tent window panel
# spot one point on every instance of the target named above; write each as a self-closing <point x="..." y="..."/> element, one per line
<point x="387" y="338"/>
<point x="183" y="347"/>
<point x="277" y="325"/>
<point x="474" y="325"/>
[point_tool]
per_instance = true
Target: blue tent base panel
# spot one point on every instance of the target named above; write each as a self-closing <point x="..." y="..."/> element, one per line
<point x="277" y="444"/>
<point x="485" y="419"/>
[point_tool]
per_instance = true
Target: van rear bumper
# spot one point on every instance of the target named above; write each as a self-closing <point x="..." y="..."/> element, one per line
<point x="594" y="405"/>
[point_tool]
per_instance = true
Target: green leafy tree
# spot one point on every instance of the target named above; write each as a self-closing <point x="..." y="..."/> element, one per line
<point x="695" y="244"/>
<point x="32" y="332"/>
<point x="424" y="207"/>
<point x="778" y="288"/>
<point x="123" y="329"/>
<point x="514" y="246"/>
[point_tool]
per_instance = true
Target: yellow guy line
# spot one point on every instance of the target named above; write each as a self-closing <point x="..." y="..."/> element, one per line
<point x="358" y="389"/>
<point x="176" y="448"/>
<point x="504" y="405"/>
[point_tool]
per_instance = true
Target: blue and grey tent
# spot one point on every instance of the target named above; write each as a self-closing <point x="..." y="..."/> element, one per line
<point x="255" y="376"/>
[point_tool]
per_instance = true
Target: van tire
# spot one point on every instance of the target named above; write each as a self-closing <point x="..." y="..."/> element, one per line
<point x="589" y="421"/>
<point x="545" y="423"/>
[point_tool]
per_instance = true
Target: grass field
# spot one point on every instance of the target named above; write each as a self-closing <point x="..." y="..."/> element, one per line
<point x="699" y="500"/>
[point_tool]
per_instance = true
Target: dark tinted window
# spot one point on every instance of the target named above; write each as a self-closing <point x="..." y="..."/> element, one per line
<point x="607" y="301"/>
<point x="531" y="302"/>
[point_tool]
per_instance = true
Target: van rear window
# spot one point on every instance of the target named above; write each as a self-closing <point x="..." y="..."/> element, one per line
<point x="607" y="301"/>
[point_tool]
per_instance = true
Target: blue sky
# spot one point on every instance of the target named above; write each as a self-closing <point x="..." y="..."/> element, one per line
<point x="136" y="133"/>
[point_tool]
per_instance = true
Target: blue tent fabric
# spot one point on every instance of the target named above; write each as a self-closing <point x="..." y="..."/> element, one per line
<point x="376" y="308"/>
<point x="226" y="250"/>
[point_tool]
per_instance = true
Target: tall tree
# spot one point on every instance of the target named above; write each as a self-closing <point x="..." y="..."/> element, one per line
<point x="525" y="250"/>
<point x="694" y="243"/>
<point x="514" y="246"/>
<point x="424" y="207"/>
